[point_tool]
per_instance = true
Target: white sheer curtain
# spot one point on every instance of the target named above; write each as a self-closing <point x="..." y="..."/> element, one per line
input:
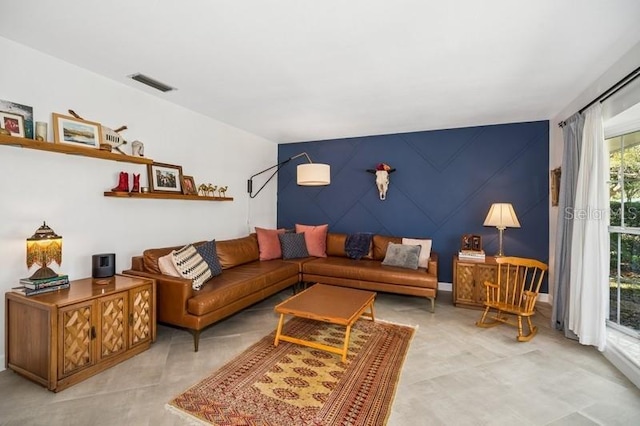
<point x="589" y="290"/>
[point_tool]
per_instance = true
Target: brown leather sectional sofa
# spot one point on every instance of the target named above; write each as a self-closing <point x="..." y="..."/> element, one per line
<point x="246" y="280"/>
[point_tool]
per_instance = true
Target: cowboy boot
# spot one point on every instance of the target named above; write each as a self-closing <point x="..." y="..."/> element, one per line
<point x="136" y="182"/>
<point x="123" y="183"/>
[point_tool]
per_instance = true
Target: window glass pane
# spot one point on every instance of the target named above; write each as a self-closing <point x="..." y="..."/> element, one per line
<point x="615" y="180"/>
<point x="629" y="288"/>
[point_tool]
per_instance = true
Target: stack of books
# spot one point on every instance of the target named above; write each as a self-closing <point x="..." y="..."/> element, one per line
<point x="471" y="255"/>
<point x="30" y="287"/>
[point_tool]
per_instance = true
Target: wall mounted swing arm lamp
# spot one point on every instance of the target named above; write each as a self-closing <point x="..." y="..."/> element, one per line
<point x="311" y="174"/>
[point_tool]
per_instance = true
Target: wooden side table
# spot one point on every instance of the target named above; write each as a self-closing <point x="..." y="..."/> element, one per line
<point x="60" y="338"/>
<point x="468" y="279"/>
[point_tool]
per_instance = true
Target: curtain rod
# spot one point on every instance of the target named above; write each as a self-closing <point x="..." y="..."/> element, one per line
<point x="610" y="91"/>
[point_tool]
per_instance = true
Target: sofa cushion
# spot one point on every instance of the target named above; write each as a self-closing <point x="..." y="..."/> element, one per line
<point x="425" y="251"/>
<point x="293" y="245"/>
<point x="380" y="243"/>
<point x="167" y="267"/>
<point x="268" y="243"/>
<point x="238" y="283"/>
<point x="191" y="265"/>
<point x="335" y="244"/>
<point x="315" y="238"/>
<point x="209" y="253"/>
<point x="150" y="257"/>
<point x="403" y="256"/>
<point x="237" y="251"/>
<point x="363" y="270"/>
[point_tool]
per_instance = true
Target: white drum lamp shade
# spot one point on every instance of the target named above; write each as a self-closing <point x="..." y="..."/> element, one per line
<point x="313" y="174"/>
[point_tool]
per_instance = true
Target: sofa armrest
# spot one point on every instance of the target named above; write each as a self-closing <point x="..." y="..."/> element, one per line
<point x="433" y="264"/>
<point x="172" y="295"/>
<point x="137" y="263"/>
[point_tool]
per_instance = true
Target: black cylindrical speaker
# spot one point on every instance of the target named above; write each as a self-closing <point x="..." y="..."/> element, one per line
<point x="103" y="265"/>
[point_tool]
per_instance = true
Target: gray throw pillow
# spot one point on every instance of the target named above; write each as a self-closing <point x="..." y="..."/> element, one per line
<point x="404" y="256"/>
<point x="293" y="245"/>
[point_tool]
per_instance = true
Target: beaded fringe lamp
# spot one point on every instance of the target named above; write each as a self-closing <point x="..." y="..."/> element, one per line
<point x="44" y="247"/>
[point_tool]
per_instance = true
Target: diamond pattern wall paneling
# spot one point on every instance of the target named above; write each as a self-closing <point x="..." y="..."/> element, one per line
<point x="444" y="184"/>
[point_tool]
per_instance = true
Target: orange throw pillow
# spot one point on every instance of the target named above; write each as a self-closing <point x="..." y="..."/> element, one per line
<point x="315" y="237"/>
<point x="268" y="243"/>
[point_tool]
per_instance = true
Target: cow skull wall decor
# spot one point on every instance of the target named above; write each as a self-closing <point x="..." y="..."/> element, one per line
<point x="382" y="171"/>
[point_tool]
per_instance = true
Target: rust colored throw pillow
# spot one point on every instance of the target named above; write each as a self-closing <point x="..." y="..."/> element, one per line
<point x="315" y="237"/>
<point x="268" y="243"/>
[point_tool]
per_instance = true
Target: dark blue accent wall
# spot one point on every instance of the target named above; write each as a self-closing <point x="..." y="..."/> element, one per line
<point x="444" y="183"/>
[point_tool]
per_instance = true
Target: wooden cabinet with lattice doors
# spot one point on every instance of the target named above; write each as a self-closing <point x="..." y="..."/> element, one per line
<point x="80" y="331"/>
<point x="468" y="276"/>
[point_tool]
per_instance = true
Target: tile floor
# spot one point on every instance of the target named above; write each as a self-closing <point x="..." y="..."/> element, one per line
<point x="454" y="374"/>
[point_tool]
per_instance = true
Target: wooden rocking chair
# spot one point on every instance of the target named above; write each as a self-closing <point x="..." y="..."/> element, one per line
<point x="514" y="293"/>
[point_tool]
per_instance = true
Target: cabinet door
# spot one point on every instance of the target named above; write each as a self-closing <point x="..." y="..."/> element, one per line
<point x="113" y="324"/>
<point x="140" y="314"/>
<point x="484" y="273"/>
<point x="76" y="333"/>
<point x="464" y="283"/>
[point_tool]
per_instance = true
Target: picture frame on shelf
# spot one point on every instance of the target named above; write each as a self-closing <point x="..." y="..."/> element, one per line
<point x="23" y="110"/>
<point x="165" y="177"/>
<point x="189" y="186"/>
<point x="72" y="131"/>
<point x="13" y="123"/>
<point x="471" y="242"/>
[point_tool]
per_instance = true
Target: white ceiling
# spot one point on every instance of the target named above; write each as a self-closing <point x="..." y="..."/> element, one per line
<point x="298" y="70"/>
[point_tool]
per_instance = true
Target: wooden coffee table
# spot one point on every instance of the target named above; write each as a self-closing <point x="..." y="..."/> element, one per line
<point x="326" y="303"/>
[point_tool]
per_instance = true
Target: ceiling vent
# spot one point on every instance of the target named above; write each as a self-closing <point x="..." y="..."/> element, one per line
<point x="151" y="82"/>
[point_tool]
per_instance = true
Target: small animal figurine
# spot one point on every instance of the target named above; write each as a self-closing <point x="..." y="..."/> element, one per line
<point x="137" y="148"/>
<point x="211" y="190"/>
<point x="222" y="191"/>
<point x="202" y="189"/>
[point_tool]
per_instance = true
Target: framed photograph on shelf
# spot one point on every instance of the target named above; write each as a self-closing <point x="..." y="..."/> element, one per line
<point x="72" y="131"/>
<point x="189" y="186"/>
<point x="165" y="178"/>
<point x="14" y="123"/>
<point x="471" y="242"/>
<point x="25" y="111"/>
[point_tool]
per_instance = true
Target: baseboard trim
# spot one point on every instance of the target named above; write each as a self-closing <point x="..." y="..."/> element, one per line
<point x="445" y="286"/>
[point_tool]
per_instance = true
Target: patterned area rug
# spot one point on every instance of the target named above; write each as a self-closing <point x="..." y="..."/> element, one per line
<point x="294" y="385"/>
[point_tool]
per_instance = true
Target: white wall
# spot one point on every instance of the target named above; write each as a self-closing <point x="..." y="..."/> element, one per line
<point x="67" y="191"/>
<point x="621" y="68"/>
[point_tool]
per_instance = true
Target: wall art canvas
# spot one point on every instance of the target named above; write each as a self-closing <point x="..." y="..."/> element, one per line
<point x="18" y="109"/>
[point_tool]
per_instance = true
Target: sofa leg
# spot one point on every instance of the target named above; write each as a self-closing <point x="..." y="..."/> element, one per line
<point x="196" y="339"/>
<point x="433" y="304"/>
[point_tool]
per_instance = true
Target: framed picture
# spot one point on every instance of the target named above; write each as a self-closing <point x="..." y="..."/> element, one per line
<point x="165" y="177"/>
<point x="189" y="186"/>
<point x="471" y="242"/>
<point x="14" y="123"/>
<point x="72" y="131"/>
<point x="25" y="111"/>
<point x="555" y="186"/>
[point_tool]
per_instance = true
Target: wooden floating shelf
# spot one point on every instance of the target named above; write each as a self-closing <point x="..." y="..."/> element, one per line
<point x="164" y="195"/>
<point x="62" y="148"/>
